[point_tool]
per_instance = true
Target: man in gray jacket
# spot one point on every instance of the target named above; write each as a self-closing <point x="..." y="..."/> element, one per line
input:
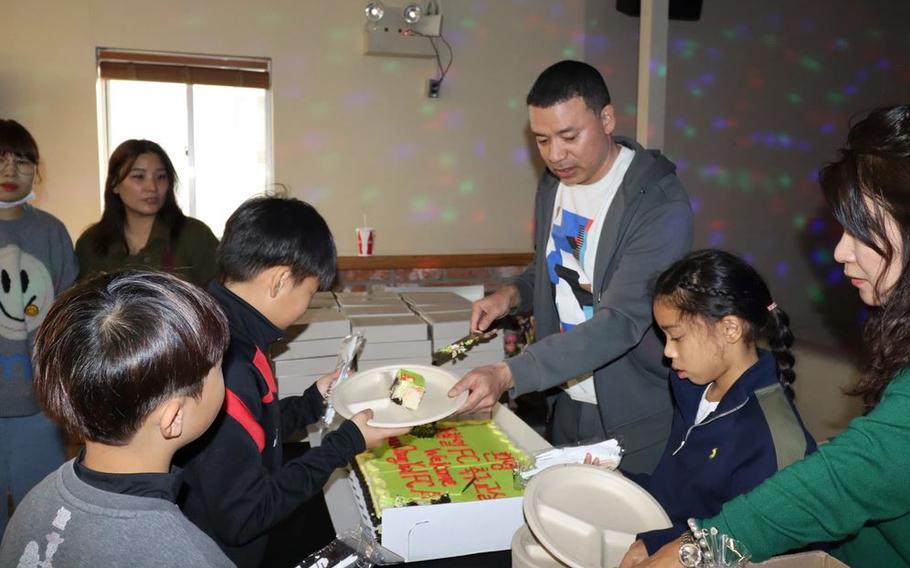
<point x="610" y="216"/>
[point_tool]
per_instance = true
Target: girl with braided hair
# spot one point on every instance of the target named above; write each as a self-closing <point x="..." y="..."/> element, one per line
<point x="734" y="422"/>
<point x="852" y="492"/>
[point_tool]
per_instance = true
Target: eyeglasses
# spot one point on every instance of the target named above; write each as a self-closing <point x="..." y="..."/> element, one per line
<point x="22" y="165"/>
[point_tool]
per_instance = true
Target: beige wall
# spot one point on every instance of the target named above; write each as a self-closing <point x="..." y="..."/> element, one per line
<point x="352" y="134"/>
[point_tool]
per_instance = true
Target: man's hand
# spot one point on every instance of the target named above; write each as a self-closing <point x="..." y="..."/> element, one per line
<point x="489" y="309"/>
<point x="666" y="557"/>
<point x="636" y="553"/>
<point x="486" y="384"/>
<point x="324" y="382"/>
<point x="374" y="437"/>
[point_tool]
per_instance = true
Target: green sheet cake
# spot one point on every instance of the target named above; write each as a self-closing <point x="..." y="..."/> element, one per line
<point x="454" y="462"/>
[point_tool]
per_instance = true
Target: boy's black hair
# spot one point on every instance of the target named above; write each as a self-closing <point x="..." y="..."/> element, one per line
<point x="16" y="139"/>
<point x="266" y="232"/>
<point x="566" y="80"/>
<point x="113" y="348"/>
<point x="713" y="284"/>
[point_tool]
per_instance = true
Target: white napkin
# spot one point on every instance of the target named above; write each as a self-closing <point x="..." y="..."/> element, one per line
<point x="608" y="452"/>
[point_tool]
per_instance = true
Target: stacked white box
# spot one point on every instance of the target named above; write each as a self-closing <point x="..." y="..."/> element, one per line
<point x="446" y="327"/>
<point x="392" y="338"/>
<point x="310" y="347"/>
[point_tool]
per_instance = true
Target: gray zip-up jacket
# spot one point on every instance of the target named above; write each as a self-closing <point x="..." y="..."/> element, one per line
<point x="647" y="227"/>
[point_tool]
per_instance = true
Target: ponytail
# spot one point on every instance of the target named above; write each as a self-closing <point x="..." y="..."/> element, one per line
<point x="780" y="338"/>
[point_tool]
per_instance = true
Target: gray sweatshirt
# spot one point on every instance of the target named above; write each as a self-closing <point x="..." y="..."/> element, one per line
<point x="36" y="263"/>
<point x="65" y="522"/>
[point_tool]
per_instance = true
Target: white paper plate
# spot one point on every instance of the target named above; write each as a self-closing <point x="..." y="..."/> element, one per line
<point x="587" y="516"/>
<point x="370" y="389"/>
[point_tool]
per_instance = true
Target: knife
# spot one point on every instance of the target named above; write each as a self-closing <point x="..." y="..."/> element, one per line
<point x="462" y="346"/>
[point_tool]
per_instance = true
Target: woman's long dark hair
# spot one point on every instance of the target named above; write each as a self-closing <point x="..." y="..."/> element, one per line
<point x="869" y="182"/>
<point x="713" y="284"/>
<point x="113" y="220"/>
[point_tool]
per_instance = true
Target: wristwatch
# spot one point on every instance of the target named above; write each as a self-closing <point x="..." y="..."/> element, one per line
<point x="689" y="551"/>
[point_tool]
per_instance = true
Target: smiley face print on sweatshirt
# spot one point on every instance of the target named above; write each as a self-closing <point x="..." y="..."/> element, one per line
<point x="26" y="293"/>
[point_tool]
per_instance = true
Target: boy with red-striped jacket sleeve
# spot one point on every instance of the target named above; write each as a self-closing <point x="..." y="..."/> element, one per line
<point x="274" y="255"/>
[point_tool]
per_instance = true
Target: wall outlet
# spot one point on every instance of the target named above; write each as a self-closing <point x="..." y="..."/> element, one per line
<point x="433" y="86"/>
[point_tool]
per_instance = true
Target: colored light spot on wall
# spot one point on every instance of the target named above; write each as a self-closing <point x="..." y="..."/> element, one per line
<point x="391" y="66"/>
<point x="662" y="70"/>
<point x="821" y="257"/>
<point x="480" y="149"/>
<point x="521" y="155"/>
<point x="810" y="63"/>
<point x="841" y="44"/>
<point x="631" y="110"/>
<point x="479" y="216"/>
<point x="835" y="276"/>
<point x="835" y="98"/>
<point x="784" y="180"/>
<point x="339" y="34"/>
<point x="770" y="40"/>
<point x="468" y="23"/>
<point x="447" y="159"/>
<point x="690" y="131"/>
<point x="799" y="222"/>
<point x="816" y="227"/>
<point x="794" y="98"/>
<point x="419" y="203"/>
<point x="466" y="187"/>
<point x="427" y="109"/>
<point x="717" y="238"/>
<point x="369" y="193"/>
<point x="782" y="269"/>
<point x="318" y="109"/>
<point x="449" y="216"/>
<point x="593" y="23"/>
<point x="513" y="103"/>
<point x="568" y="52"/>
<point x="696" y="204"/>
<point x="697" y="92"/>
<point x="816" y="295"/>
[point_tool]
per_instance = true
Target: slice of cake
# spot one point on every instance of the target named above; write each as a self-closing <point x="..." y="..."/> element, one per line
<point x="408" y="389"/>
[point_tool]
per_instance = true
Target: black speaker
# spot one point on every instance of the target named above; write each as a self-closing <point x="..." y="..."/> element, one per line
<point x="688" y="10"/>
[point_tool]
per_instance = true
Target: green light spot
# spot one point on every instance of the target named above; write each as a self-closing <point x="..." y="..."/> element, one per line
<point x="816" y="296"/>
<point x="662" y="70"/>
<point x="836" y="98"/>
<point x="724" y="177"/>
<point x="794" y="98"/>
<point x="447" y="159"/>
<point x="593" y="23"/>
<point x="513" y="103"/>
<point x="785" y="180"/>
<point x="427" y="109"/>
<point x="390" y="66"/>
<point x="744" y="181"/>
<point x="449" y="216"/>
<point x="568" y="52"/>
<point x="320" y="108"/>
<point x="466" y="187"/>
<point x="697" y="92"/>
<point x="419" y="203"/>
<point x="810" y="63"/>
<point x="690" y="132"/>
<point x="369" y="193"/>
<point x="729" y="33"/>
<point x="631" y="110"/>
<point x="799" y="221"/>
<point x="468" y="23"/>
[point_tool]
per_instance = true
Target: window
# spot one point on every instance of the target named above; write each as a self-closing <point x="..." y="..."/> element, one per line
<point x="211" y="115"/>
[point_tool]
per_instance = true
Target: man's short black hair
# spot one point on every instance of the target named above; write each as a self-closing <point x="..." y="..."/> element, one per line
<point x="266" y="232"/>
<point x="113" y="348"/>
<point x="566" y="80"/>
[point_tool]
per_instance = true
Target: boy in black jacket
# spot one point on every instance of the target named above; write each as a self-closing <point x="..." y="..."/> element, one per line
<point x="274" y="255"/>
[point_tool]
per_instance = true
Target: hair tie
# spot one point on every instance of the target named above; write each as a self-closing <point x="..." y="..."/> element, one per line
<point x="772" y="306"/>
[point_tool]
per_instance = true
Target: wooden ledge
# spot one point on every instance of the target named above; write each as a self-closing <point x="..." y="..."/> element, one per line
<point x="434" y="261"/>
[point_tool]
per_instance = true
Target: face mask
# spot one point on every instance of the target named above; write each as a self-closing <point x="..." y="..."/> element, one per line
<point x="10" y="204"/>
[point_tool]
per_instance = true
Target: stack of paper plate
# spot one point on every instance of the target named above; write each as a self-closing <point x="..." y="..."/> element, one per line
<point x="584" y="517"/>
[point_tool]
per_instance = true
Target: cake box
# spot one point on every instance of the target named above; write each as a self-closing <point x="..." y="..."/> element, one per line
<point x="426" y="532"/>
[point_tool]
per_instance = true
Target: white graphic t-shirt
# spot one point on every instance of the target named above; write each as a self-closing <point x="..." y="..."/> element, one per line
<point x="578" y="216"/>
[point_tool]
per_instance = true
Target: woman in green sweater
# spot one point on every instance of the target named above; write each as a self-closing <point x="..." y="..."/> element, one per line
<point x="142" y="226"/>
<point x="854" y="492"/>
